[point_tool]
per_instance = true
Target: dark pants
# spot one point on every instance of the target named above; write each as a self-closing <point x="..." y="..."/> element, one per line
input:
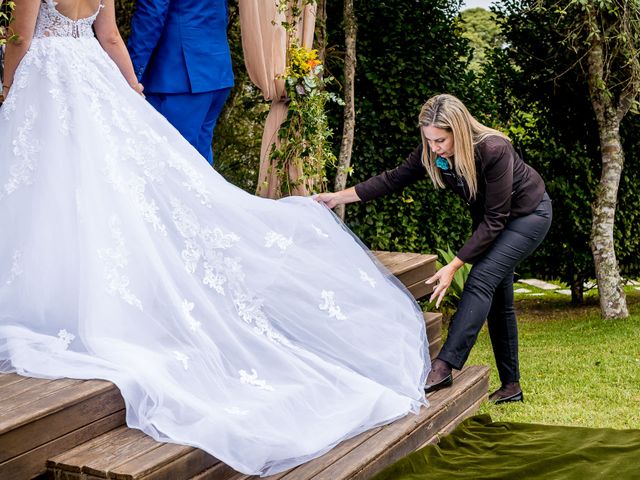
<point x="488" y="294"/>
<point x="193" y="114"/>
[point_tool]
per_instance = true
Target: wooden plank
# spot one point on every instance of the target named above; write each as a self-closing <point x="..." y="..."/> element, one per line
<point x="163" y="461"/>
<point x="110" y="456"/>
<point x="221" y="471"/>
<point x="381" y="255"/>
<point x="149" y="461"/>
<point x="74" y="459"/>
<point x="8" y="378"/>
<point x="309" y="469"/>
<point x="34" y="461"/>
<point x="53" y="417"/>
<point x="454" y="423"/>
<point x="401" y="263"/>
<point x="21" y="387"/>
<point x="435" y="345"/>
<point x="416" y="262"/>
<point x="38" y="393"/>
<point x="194" y="462"/>
<point x="395" y="440"/>
<point x="420" y="289"/>
<point x="433" y="322"/>
<point x="417" y="270"/>
<point x="36" y="403"/>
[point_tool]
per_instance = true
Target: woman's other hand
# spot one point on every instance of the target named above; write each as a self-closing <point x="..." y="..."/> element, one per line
<point x="443" y="277"/>
<point x="333" y="199"/>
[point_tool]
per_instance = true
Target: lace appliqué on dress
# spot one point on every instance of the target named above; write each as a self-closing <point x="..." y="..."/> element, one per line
<point x="252" y="379"/>
<point x="16" y="267"/>
<point x="250" y="310"/>
<point x="366" y="278"/>
<point x="63" y="106"/>
<point x="182" y="358"/>
<point x="194" y="182"/>
<point x="187" y="308"/>
<point x="25" y="147"/>
<point x="319" y="232"/>
<point x="115" y="261"/>
<point x="64" y="339"/>
<point x="330" y="306"/>
<point x="273" y="238"/>
<point x="134" y="188"/>
<point x="205" y="244"/>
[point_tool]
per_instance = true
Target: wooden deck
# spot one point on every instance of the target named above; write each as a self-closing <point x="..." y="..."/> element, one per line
<point x="74" y="429"/>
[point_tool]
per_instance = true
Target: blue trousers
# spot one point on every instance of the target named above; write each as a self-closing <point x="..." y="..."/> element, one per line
<point x="488" y="294"/>
<point x="193" y="114"/>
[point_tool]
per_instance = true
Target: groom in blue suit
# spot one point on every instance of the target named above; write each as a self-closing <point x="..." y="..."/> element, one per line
<point x="180" y="54"/>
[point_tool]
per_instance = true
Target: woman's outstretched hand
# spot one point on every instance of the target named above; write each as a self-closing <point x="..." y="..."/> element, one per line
<point x="330" y="199"/>
<point x="444" y="277"/>
<point x="333" y="199"/>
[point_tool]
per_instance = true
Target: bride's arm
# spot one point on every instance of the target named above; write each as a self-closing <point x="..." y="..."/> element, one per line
<point x="109" y="37"/>
<point x="21" y="32"/>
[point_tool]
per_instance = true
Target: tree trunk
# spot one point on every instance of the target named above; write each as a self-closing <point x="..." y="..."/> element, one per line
<point x="613" y="303"/>
<point x="348" y="129"/>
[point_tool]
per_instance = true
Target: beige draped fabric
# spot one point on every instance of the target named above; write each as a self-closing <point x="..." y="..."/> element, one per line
<point x="265" y="43"/>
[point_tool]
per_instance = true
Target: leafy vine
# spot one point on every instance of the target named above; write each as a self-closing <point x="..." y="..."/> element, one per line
<point x="304" y="136"/>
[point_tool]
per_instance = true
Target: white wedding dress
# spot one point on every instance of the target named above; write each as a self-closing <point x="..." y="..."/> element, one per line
<point x="260" y="331"/>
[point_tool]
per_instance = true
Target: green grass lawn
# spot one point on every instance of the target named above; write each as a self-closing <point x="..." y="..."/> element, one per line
<point x="576" y="368"/>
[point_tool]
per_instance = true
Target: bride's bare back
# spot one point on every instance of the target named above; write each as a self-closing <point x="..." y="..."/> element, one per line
<point x="75" y="9"/>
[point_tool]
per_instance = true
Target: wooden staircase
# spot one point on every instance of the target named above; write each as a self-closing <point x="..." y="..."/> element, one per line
<point x="75" y="429"/>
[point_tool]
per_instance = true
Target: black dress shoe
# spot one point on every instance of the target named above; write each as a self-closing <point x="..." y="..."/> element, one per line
<point x="439" y="377"/>
<point x="499" y="397"/>
<point x="444" y="383"/>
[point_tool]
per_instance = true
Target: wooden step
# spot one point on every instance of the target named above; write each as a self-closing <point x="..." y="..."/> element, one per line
<point x="433" y="322"/>
<point x="126" y="454"/>
<point x="41" y="418"/>
<point x="363" y="456"/>
<point x="412" y="269"/>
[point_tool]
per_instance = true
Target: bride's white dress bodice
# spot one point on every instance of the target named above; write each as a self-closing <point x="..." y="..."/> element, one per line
<point x="52" y="23"/>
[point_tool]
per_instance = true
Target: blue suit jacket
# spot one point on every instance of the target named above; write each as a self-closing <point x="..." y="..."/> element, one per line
<point x="180" y="46"/>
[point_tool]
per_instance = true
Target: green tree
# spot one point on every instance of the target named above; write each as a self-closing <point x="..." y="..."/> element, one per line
<point x="546" y="104"/>
<point x="480" y="27"/>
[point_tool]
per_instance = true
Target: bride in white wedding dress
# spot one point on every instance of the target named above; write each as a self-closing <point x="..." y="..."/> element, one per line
<point x="258" y="330"/>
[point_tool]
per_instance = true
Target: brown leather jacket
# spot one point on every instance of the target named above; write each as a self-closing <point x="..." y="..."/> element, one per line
<point x="507" y="188"/>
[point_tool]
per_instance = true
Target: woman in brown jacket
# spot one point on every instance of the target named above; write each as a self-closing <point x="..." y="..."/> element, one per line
<point x="511" y="215"/>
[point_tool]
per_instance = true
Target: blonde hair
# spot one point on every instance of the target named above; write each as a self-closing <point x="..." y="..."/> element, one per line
<point x="448" y="113"/>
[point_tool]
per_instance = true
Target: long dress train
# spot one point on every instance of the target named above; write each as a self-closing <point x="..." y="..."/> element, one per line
<point x="258" y="330"/>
